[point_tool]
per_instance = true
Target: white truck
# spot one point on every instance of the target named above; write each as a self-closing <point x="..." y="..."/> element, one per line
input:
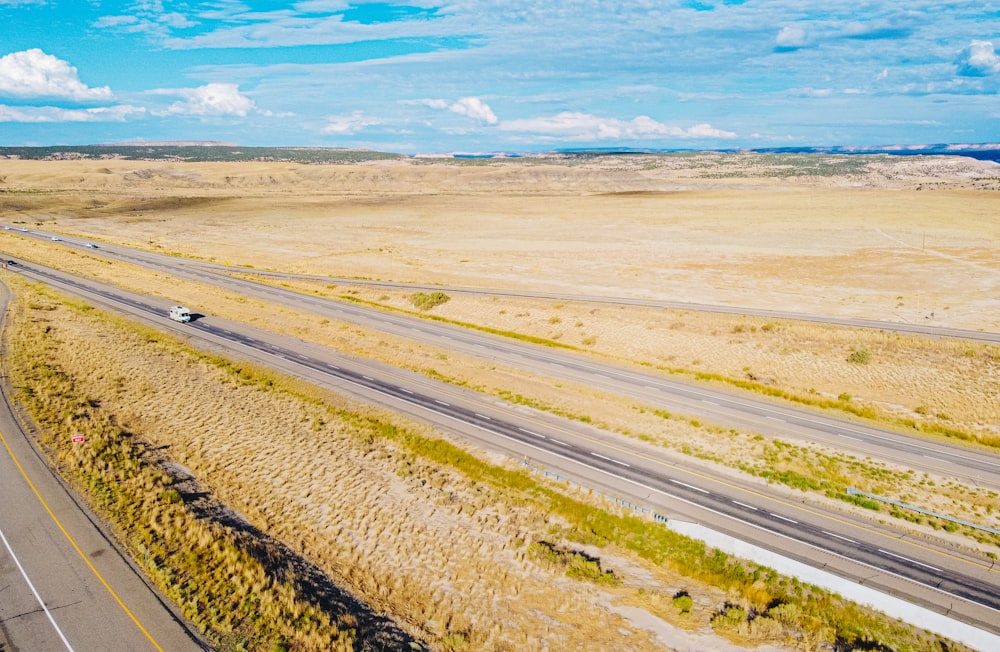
<point x="180" y="313"/>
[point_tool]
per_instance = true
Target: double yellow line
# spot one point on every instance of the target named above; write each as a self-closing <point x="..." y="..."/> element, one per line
<point x="76" y="547"/>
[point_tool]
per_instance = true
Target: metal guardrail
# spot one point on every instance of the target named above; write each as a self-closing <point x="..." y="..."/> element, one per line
<point x="659" y="518"/>
<point x="857" y="492"/>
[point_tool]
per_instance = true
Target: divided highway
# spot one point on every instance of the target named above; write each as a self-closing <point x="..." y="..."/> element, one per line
<point x="854" y="548"/>
<point x="63" y="584"/>
<point x="743" y="412"/>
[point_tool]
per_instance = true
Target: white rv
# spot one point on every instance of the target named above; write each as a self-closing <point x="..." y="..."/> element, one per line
<point x="180" y="313"/>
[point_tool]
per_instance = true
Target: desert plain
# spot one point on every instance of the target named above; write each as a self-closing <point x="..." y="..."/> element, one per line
<point x="894" y="239"/>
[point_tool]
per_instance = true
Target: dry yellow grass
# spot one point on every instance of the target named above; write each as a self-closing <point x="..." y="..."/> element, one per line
<point x="601" y="229"/>
<point x="448" y="558"/>
<point x="442" y="555"/>
<point x="867" y="245"/>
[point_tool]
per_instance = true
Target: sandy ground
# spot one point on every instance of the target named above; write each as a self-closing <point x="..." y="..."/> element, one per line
<point x="894" y="239"/>
<point x="909" y="239"/>
<point x="901" y="239"/>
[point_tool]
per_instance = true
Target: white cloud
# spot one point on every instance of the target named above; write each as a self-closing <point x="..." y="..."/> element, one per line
<point x="54" y="114"/>
<point x="978" y="59"/>
<point x="207" y="100"/>
<point x="474" y="107"/>
<point x="434" y="104"/>
<point x="105" y="22"/>
<point x="348" y="124"/>
<point x="176" y="20"/>
<point x="471" y="107"/>
<point x="572" y="126"/>
<point x="32" y="73"/>
<point x="706" y="130"/>
<point x="791" y="37"/>
<point x="809" y="91"/>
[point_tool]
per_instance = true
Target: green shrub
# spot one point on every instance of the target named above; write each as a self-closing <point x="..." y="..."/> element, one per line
<point x="731" y="618"/>
<point x="422" y="301"/>
<point x="860" y="356"/>
<point x="578" y="565"/>
<point x="683" y="602"/>
<point x="171" y="497"/>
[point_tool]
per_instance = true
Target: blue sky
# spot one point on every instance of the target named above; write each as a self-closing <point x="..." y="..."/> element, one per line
<point x="500" y="75"/>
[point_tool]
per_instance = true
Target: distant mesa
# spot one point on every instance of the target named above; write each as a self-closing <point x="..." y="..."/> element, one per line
<point x="170" y="143"/>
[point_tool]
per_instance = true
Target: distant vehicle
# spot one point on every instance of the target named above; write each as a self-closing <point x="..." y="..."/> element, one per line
<point x="92" y="245"/>
<point x="56" y="238"/>
<point x="11" y="262"/>
<point x="180" y="313"/>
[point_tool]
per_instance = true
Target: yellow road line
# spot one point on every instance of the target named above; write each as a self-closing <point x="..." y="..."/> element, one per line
<point x="76" y="547"/>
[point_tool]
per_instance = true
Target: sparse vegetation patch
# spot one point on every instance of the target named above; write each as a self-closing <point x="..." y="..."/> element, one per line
<point x="495" y="504"/>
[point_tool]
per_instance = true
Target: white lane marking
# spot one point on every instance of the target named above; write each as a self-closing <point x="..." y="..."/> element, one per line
<point x="482" y="416"/>
<point x="689" y="486"/>
<point x="849" y="437"/>
<point x="533" y="433"/>
<point x="710" y="402"/>
<point x="837" y="536"/>
<point x="34" y="592"/>
<point x="912" y="561"/>
<point x="783" y="518"/>
<point x="403" y="389"/>
<point x="745" y="505"/>
<point x="777" y="419"/>
<point x="603" y="457"/>
<point x="708" y="509"/>
<point x="368" y="378"/>
<point x="559" y="442"/>
<point x="442" y="403"/>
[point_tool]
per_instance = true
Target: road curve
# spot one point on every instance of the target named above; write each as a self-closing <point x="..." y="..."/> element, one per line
<point x="64" y="584"/>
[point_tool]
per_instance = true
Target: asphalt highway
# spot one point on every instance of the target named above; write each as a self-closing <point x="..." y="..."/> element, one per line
<point x="63" y="583"/>
<point x="917" y="570"/>
<point x="744" y="412"/>
<point x="920" y="328"/>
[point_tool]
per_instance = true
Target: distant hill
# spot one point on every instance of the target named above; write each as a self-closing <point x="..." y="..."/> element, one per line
<point x="203" y="151"/>
<point x="981" y="151"/>
<point x="173" y="143"/>
<point x="194" y="152"/>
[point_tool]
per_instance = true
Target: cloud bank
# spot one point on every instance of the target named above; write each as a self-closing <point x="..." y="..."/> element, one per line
<point x="574" y="126"/>
<point x="32" y="73"/>
<point x="209" y="100"/>
<point x="978" y="59"/>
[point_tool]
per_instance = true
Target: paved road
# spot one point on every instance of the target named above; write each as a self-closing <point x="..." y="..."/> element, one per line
<point x="744" y="412"/>
<point x="919" y="328"/>
<point x="63" y="585"/>
<point x="915" y="569"/>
